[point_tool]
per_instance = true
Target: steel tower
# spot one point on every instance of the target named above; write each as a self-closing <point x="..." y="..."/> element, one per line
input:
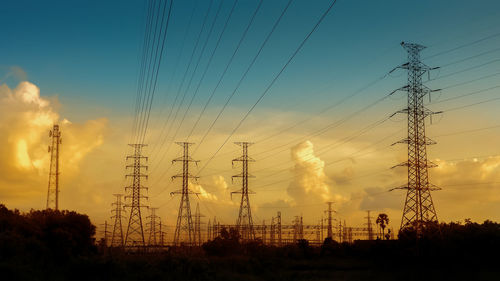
<point x="419" y="208"/>
<point x="117" y="234"/>
<point x="53" y="188"/>
<point x="135" y="231"/>
<point x="184" y="218"/>
<point x="244" y="223"/>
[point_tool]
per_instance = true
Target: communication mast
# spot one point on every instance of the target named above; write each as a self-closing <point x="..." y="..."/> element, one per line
<point x="53" y="188"/>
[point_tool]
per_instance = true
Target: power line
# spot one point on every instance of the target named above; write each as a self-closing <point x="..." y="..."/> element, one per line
<point x="183" y="78"/>
<point x="464" y="45"/>
<point x="275" y="79"/>
<point x="245" y="74"/>
<point x="227" y="67"/>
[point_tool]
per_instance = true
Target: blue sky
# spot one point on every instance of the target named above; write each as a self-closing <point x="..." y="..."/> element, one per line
<point x="87" y="51"/>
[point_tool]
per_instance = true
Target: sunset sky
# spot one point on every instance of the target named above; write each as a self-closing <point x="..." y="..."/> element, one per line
<point x="315" y="132"/>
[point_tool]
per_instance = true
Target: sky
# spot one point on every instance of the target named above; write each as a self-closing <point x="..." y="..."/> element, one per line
<point x="78" y="63"/>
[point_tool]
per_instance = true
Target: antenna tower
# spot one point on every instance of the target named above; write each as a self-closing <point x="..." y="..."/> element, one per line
<point x="53" y="189"/>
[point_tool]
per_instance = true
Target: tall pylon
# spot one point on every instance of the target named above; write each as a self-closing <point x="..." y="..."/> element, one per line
<point x="105" y="233"/>
<point x="278" y="224"/>
<point x="135" y="231"/>
<point x="419" y="208"/>
<point x="117" y="234"/>
<point x="369" y="226"/>
<point x="184" y="218"/>
<point x="244" y="223"/>
<point x="329" y="212"/>
<point x="197" y="225"/>
<point x="53" y="188"/>
<point x="152" y="241"/>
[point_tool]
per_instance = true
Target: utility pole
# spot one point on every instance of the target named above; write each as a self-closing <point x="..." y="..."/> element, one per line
<point x="244" y="223"/>
<point x="419" y="208"/>
<point x="53" y="188"/>
<point x="197" y="225"/>
<point x="135" y="232"/>
<point x="152" y="227"/>
<point x="330" y="211"/>
<point x="117" y="234"/>
<point x="184" y="218"/>
<point x="369" y="227"/>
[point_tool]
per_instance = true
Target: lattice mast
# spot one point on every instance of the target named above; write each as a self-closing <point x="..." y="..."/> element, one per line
<point x="278" y="225"/>
<point x="135" y="232"/>
<point x="329" y="212"/>
<point x="184" y="217"/>
<point x="197" y="225"/>
<point x="369" y="226"/>
<point x="244" y="223"/>
<point x="153" y="232"/>
<point x="419" y="207"/>
<point x="117" y="233"/>
<point x="53" y="187"/>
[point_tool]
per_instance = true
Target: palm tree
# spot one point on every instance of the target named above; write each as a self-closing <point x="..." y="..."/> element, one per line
<point x="382" y="221"/>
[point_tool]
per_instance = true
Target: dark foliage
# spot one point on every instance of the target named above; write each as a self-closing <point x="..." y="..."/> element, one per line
<point x="52" y="245"/>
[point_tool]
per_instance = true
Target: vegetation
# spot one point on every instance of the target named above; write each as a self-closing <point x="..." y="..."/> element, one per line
<point x="382" y="221"/>
<point x="59" y="245"/>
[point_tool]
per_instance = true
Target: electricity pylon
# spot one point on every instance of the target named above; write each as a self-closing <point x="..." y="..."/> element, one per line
<point x="53" y="188"/>
<point x="244" y="223"/>
<point x="419" y="208"/>
<point x="197" y="225"/>
<point x="330" y="211"/>
<point x="369" y="227"/>
<point x="105" y="233"/>
<point x="278" y="224"/>
<point x="152" y="241"/>
<point x="117" y="234"/>
<point x="184" y="218"/>
<point x="135" y="231"/>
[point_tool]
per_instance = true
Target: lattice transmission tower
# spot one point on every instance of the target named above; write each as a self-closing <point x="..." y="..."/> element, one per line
<point x="135" y="232"/>
<point x="53" y="188"/>
<point x="117" y="233"/>
<point x="369" y="226"/>
<point x="244" y="223"/>
<point x="329" y="212"/>
<point x="197" y="225"/>
<point x="152" y="230"/>
<point x="419" y="208"/>
<point x="184" y="219"/>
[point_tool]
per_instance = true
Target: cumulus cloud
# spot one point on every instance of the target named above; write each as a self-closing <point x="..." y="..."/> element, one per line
<point x="310" y="183"/>
<point x="25" y="120"/>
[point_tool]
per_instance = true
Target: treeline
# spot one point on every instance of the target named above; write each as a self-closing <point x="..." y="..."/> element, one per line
<point x="38" y="244"/>
<point x="60" y="245"/>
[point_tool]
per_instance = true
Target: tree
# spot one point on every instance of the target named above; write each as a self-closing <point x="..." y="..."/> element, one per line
<point x="382" y="221"/>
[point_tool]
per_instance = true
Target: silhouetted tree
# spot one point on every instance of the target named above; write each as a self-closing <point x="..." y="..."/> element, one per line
<point x="382" y="221"/>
